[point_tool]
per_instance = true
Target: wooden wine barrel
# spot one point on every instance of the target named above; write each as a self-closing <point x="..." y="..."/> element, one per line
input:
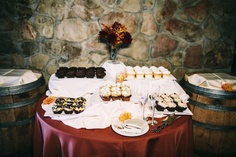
<point x="214" y="120"/>
<point x="17" y="112"/>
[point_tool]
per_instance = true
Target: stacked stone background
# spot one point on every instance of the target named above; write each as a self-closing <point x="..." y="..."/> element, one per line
<point x="185" y="36"/>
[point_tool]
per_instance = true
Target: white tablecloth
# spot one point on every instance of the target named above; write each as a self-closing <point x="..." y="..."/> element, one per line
<point x="14" y="77"/>
<point x="112" y="70"/>
<point x="72" y="87"/>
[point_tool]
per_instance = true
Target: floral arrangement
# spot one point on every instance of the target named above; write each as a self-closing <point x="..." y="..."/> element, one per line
<point x="115" y="36"/>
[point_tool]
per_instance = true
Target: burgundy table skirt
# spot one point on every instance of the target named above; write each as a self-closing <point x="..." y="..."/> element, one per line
<point x="54" y="139"/>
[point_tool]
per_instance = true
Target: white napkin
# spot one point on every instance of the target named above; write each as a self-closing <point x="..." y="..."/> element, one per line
<point x="135" y="125"/>
<point x="211" y="80"/>
<point x="102" y="115"/>
<point x="14" y="77"/>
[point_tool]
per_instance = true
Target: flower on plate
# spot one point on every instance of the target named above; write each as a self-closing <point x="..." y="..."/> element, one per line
<point x="115" y="35"/>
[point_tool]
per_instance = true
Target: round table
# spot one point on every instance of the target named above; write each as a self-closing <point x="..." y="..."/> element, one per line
<point x="53" y="138"/>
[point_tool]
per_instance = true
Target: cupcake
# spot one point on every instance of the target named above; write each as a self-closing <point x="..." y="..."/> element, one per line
<point x="166" y="74"/>
<point x="100" y="72"/>
<point x="115" y="93"/>
<point x="153" y="68"/>
<point x="136" y="68"/>
<point x="157" y="74"/>
<point x="161" y="105"/>
<point x="164" y="95"/>
<point x="80" y="101"/>
<point x="90" y="72"/>
<point x="81" y="72"/>
<point x="144" y="68"/>
<point x="71" y="72"/>
<point x="68" y="109"/>
<point x="60" y="74"/>
<point x="139" y="74"/>
<point x="174" y="95"/>
<point x="79" y="109"/>
<point x="105" y="93"/>
<point x="57" y="109"/>
<point x="59" y="101"/>
<point x="171" y="106"/>
<point x="125" y="93"/>
<point x="181" y="106"/>
<point x="148" y="74"/>
<point x="130" y="74"/>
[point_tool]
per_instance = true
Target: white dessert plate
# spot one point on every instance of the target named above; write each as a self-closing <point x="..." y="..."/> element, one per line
<point x="129" y="134"/>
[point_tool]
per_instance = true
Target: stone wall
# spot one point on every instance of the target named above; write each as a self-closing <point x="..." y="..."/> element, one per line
<point x="185" y="36"/>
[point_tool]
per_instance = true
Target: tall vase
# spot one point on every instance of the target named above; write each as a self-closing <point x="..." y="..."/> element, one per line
<point x="113" y="55"/>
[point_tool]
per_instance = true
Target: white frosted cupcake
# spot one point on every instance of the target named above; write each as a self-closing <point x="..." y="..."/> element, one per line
<point x="166" y="74"/>
<point x="171" y="106"/>
<point x="116" y="94"/>
<point x="157" y="74"/>
<point x="139" y="74"/>
<point x="144" y="68"/>
<point x="161" y="105"/>
<point x="105" y="93"/>
<point x="181" y="106"/>
<point x="148" y="73"/>
<point x="153" y="68"/>
<point x="130" y="74"/>
<point x="125" y="93"/>
<point x="137" y="68"/>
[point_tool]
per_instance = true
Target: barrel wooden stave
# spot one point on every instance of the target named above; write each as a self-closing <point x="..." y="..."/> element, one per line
<point x="214" y="120"/>
<point x="17" y="112"/>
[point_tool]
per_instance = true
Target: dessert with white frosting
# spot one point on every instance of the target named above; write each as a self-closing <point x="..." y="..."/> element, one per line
<point x="125" y="93"/>
<point x="171" y="102"/>
<point x="116" y="91"/>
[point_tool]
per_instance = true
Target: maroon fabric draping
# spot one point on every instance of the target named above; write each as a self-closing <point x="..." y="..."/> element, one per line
<point x="53" y="138"/>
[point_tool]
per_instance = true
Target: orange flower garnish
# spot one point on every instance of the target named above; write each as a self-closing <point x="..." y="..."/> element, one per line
<point x="124" y="116"/>
<point x="49" y="100"/>
<point x="227" y="87"/>
<point x="121" y="77"/>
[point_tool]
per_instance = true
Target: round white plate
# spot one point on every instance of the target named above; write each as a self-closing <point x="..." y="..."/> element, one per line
<point x="129" y="134"/>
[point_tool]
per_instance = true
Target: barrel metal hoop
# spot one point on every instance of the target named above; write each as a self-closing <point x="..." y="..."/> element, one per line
<point x="5" y="91"/>
<point x="214" y="127"/>
<point x="217" y="94"/>
<point x="16" y="123"/>
<point x="20" y="104"/>
<point x="212" y="107"/>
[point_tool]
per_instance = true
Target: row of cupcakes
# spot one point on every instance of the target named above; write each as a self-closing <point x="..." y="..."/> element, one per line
<point x="69" y="105"/>
<point x="117" y="91"/>
<point x="171" y="102"/>
<point x="147" y="72"/>
<point x="81" y="72"/>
